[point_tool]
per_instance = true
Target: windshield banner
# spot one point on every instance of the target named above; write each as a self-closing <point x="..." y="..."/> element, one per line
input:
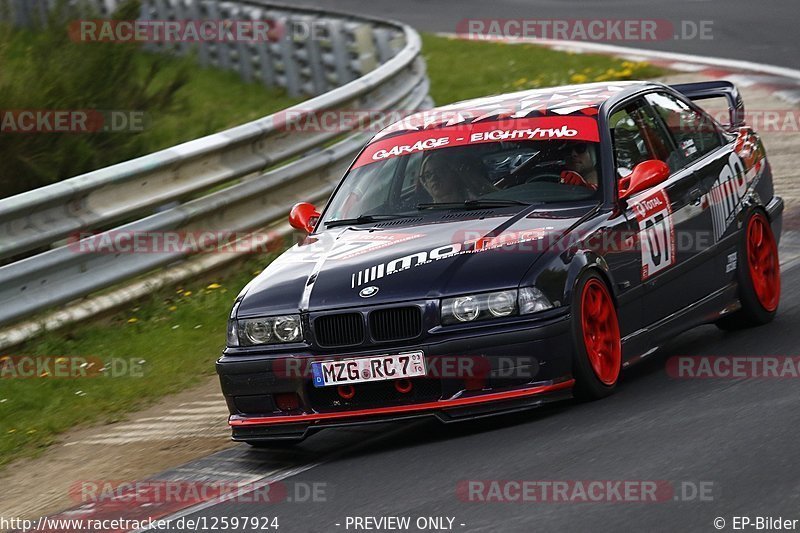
<point x="523" y="129"/>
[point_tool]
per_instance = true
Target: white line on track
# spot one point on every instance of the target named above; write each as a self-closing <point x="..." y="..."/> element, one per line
<point x="217" y="410"/>
<point x="180" y="418"/>
<point x="160" y="437"/>
<point x="208" y="403"/>
<point x="281" y="474"/>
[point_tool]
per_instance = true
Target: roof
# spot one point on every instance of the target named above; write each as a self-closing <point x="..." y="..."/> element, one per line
<point x="565" y="100"/>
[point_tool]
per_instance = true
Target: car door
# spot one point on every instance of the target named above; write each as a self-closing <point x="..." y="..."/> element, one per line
<point x="666" y="215"/>
<point x="703" y="152"/>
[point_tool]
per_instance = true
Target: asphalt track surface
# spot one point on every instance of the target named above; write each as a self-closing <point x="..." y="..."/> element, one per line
<point x="764" y="31"/>
<point x="734" y="438"/>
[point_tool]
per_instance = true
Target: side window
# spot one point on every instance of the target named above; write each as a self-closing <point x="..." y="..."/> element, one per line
<point x="630" y="147"/>
<point x="693" y="133"/>
<point x="638" y="137"/>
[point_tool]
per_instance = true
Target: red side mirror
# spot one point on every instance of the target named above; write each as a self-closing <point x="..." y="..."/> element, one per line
<point x="304" y="216"/>
<point x="645" y="175"/>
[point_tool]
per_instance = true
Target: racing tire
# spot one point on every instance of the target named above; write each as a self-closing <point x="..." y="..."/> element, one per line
<point x="597" y="354"/>
<point x="758" y="274"/>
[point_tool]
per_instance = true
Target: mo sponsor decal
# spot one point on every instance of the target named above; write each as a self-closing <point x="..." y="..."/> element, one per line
<point x="407" y="262"/>
<point x="726" y="194"/>
<point x="473" y="242"/>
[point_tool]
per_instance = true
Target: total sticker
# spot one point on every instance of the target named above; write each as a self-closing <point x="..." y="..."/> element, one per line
<point x="656" y="233"/>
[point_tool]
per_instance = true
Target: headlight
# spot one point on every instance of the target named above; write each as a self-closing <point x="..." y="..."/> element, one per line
<point x="499" y="304"/>
<point x="478" y="307"/>
<point x="502" y="303"/>
<point x="465" y="309"/>
<point x="287" y="328"/>
<point x="256" y="331"/>
<point x="269" y="330"/>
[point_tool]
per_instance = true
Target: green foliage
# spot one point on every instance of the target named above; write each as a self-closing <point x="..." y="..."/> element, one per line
<point x="46" y="70"/>
<point x="461" y="69"/>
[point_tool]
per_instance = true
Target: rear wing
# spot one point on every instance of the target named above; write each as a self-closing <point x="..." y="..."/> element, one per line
<point x="717" y="89"/>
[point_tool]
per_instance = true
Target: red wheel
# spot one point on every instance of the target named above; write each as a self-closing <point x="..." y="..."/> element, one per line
<point x="758" y="274"/>
<point x="600" y="328"/>
<point x="762" y="261"/>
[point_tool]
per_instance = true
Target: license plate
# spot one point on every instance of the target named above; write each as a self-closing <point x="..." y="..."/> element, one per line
<point x="362" y="369"/>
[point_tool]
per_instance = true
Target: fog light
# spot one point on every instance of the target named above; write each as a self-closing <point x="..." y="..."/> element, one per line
<point x="287" y="401"/>
<point x="403" y="386"/>
<point x="474" y="383"/>
<point x="346" y="392"/>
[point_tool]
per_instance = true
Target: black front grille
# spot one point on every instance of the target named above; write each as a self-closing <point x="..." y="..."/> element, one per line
<point x="339" y="330"/>
<point x="395" y="324"/>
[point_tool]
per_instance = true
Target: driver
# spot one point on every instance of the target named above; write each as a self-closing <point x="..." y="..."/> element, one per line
<point x="580" y="160"/>
<point x="450" y="178"/>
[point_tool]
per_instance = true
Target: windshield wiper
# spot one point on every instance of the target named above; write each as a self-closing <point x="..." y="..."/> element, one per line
<point x="361" y="219"/>
<point x="473" y="204"/>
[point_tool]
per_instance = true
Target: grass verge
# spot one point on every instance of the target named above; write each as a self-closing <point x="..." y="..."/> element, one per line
<point x="173" y="337"/>
<point x="144" y="102"/>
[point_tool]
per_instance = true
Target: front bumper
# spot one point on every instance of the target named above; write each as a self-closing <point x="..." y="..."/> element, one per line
<point x="472" y="372"/>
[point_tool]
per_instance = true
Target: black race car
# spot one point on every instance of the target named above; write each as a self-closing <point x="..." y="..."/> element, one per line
<point x="499" y="253"/>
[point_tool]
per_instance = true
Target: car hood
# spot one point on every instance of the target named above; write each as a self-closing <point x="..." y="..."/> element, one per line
<point x="406" y="260"/>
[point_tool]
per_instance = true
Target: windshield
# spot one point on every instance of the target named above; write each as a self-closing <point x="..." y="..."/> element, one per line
<point x="521" y="161"/>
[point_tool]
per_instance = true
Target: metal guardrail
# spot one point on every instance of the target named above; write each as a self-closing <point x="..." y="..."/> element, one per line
<point x="342" y="48"/>
<point x="151" y="192"/>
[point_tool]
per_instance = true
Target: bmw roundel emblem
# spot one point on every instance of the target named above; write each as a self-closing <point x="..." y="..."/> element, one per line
<point x="368" y="292"/>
